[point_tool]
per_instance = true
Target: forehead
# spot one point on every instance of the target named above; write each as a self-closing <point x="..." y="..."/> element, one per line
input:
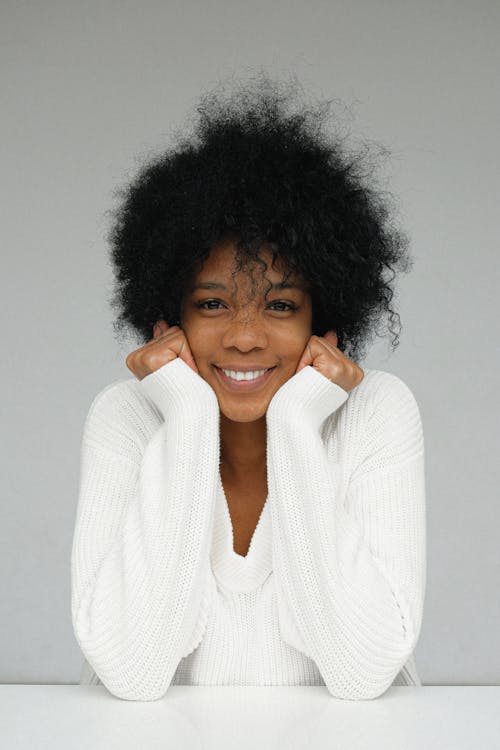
<point x="219" y="271"/>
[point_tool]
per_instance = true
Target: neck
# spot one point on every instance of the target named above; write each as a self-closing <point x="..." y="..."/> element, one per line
<point x="243" y="446"/>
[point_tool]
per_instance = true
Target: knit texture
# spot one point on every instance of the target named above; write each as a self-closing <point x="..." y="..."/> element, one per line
<point x="331" y="591"/>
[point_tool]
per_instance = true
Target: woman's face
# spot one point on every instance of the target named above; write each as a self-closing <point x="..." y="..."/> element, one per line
<point x="238" y="328"/>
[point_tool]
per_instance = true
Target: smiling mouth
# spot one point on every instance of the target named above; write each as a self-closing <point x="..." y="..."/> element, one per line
<point x="243" y="385"/>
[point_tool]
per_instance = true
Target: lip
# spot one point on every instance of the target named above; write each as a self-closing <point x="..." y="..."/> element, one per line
<point x="243" y="385"/>
<point x="244" y="368"/>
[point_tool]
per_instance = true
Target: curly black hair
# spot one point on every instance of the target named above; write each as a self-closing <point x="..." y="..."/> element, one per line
<point x="257" y="170"/>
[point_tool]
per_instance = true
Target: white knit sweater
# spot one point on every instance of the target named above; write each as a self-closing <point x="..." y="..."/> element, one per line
<point x="332" y="589"/>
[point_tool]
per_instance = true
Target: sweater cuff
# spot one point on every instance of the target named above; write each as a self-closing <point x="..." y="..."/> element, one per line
<point x="177" y="385"/>
<point x="311" y="394"/>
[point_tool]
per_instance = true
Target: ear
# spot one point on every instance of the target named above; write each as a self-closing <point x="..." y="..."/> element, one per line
<point x="159" y="328"/>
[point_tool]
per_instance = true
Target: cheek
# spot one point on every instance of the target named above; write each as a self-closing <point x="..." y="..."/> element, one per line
<point x="199" y="342"/>
<point x="295" y="345"/>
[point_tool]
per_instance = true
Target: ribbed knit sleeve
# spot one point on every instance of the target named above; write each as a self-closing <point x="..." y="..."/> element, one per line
<point x="349" y="554"/>
<point x="140" y="556"/>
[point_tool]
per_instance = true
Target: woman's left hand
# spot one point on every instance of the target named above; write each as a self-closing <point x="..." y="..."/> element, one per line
<point x="321" y="352"/>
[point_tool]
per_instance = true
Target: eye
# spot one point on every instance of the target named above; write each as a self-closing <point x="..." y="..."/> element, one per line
<point x="287" y="304"/>
<point x="207" y="302"/>
<point x="201" y="305"/>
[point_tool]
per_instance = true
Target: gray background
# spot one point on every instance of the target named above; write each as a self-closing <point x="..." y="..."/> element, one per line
<point x="90" y="88"/>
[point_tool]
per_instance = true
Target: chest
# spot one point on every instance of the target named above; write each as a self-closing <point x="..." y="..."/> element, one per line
<point x="245" y="502"/>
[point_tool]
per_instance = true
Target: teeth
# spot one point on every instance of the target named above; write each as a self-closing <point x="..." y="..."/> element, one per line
<point x="243" y="375"/>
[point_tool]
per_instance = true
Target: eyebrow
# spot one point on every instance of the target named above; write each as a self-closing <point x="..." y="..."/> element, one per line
<point x="216" y="285"/>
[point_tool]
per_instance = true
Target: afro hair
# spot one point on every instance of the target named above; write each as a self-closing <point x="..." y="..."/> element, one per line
<point x="257" y="169"/>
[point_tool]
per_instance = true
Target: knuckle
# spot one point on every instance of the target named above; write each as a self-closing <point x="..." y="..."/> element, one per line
<point x="153" y="361"/>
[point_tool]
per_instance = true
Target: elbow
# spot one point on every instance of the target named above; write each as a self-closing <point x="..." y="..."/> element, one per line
<point x="360" y="691"/>
<point x="364" y="681"/>
<point x="134" y="692"/>
<point x="130" y="682"/>
<point x="142" y="696"/>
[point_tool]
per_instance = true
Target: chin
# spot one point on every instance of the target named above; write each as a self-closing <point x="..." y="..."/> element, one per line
<point x="243" y="415"/>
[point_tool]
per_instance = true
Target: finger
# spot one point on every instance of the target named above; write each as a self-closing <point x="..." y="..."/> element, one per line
<point x="189" y="359"/>
<point x="161" y="327"/>
<point x="186" y="354"/>
<point x="316" y="347"/>
<point x="166" y="335"/>
<point x="331" y="337"/>
<point x="306" y="358"/>
<point x="331" y="347"/>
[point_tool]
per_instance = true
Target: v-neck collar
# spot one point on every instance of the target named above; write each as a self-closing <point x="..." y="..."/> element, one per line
<point x="234" y="571"/>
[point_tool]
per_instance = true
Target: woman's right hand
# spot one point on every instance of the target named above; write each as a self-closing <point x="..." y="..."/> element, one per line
<point x="168" y="343"/>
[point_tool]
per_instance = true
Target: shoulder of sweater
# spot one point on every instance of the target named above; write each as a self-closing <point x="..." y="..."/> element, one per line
<point x="119" y="392"/>
<point x="381" y="416"/>
<point x="380" y="397"/>
<point x="380" y="389"/>
<point x="122" y="412"/>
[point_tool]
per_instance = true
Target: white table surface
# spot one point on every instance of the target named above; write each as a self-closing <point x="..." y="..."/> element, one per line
<point x="70" y="717"/>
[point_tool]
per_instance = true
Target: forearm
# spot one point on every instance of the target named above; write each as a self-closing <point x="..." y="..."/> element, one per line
<point x="141" y="588"/>
<point x="339" y="602"/>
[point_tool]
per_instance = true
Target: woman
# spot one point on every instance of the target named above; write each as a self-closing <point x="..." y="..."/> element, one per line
<point x="252" y="502"/>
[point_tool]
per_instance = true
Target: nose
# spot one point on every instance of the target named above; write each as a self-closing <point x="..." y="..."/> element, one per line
<point x="245" y="333"/>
